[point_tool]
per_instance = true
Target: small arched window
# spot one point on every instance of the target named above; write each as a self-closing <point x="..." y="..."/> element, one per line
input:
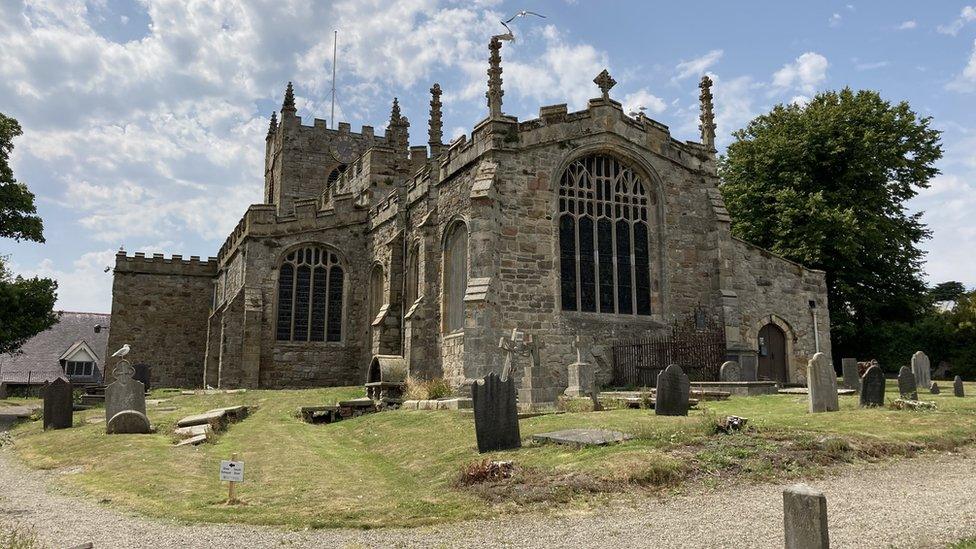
<point x="455" y="277"/>
<point x="376" y="297"/>
<point x="334" y="175"/>
<point x="604" y="260"/>
<point x="310" y="290"/>
<point x="412" y="290"/>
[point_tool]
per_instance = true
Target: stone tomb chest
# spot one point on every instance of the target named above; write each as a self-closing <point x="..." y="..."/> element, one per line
<point x="386" y="378"/>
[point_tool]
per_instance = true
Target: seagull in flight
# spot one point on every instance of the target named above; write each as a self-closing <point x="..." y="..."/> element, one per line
<point x="509" y="35"/>
<point x="124" y="350"/>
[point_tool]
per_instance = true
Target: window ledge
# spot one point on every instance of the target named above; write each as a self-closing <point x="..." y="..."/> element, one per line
<point x="654" y="320"/>
<point x="307" y="344"/>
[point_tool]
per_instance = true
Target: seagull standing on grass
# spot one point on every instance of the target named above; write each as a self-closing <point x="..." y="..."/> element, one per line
<point x="124" y="350"/>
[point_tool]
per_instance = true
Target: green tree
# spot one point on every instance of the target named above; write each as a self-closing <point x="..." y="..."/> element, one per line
<point x="825" y="184"/>
<point x="947" y="291"/>
<point x="26" y="305"/>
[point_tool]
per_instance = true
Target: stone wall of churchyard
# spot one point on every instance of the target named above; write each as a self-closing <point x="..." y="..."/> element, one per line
<point x="526" y="282"/>
<point x="160" y="308"/>
<point x="300" y="158"/>
<point x="773" y="290"/>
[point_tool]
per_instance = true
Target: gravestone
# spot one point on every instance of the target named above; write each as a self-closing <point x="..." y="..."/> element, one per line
<point x="907" y="386"/>
<point x="3" y="391"/>
<point x="536" y="387"/>
<point x="495" y="414"/>
<point x="957" y="387"/>
<point x="124" y="394"/>
<point x="934" y="388"/>
<point x="142" y="373"/>
<point x="582" y="382"/>
<point x="58" y="405"/>
<point x="822" y="383"/>
<point x="673" y="392"/>
<point x="730" y="371"/>
<point x="749" y="367"/>
<point x="805" y="518"/>
<point x="873" y="387"/>
<point x="922" y="369"/>
<point x="128" y="422"/>
<point x="852" y="379"/>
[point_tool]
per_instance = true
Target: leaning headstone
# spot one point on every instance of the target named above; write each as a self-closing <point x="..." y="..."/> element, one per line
<point x="730" y="371"/>
<point x="58" y="405"/>
<point x="124" y="394"/>
<point x="852" y="380"/>
<point x="749" y="367"/>
<point x="873" y="387"/>
<point x="805" y="518"/>
<point x="922" y="369"/>
<point x="822" y="382"/>
<point x="957" y="387"/>
<point x="934" y="388"/>
<point x="907" y="386"/>
<point x="673" y="392"/>
<point x="495" y="414"/>
<point x="128" y="422"/>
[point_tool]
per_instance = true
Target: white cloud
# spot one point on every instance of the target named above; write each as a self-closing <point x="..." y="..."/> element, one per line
<point x="965" y="81"/>
<point x="643" y="98"/>
<point x="697" y="66"/>
<point x="968" y="14"/>
<point x="84" y="285"/>
<point x="835" y="20"/>
<point x="868" y="66"/>
<point x="805" y="74"/>
<point x="908" y="25"/>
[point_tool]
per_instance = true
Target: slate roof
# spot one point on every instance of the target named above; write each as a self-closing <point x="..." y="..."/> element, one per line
<point x="40" y="354"/>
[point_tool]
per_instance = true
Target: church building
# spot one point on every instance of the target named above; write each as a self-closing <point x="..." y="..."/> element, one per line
<point x="594" y="223"/>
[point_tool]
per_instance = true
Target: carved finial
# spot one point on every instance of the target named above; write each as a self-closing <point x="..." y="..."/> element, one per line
<point x="707" y="116"/>
<point x="273" y="126"/>
<point x="396" y="134"/>
<point x="495" y="91"/>
<point x="605" y="82"/>
<point x="395" y="112"/>
<point x="435" y="131"/>
<point x="288" y="105"/>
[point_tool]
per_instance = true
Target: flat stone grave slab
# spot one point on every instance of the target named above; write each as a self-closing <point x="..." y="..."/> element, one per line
<point x="218" y="418"/>
<point x="193" y="441"/>
<point x="806" y="391"/>
<point x="583" y="437"/>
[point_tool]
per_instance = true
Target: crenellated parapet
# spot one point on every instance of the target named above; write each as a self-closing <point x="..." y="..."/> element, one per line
<point x="140" y="263"/>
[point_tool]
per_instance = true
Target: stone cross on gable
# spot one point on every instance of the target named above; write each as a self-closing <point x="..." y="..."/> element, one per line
<point x="605" y="82"/>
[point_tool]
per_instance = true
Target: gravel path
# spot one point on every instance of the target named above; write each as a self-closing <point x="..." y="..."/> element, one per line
<point x="922" y="502"/>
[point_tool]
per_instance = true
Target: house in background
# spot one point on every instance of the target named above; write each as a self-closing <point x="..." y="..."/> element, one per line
<point x="74" y="348"/>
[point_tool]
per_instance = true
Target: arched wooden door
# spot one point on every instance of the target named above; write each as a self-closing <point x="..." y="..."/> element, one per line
<point x="772" y="354"/>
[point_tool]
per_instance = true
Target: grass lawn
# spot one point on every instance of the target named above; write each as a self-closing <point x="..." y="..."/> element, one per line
<point x="401" y="468"/>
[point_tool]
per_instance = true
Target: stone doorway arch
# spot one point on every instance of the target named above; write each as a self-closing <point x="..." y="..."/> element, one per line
<point x="773" y="363"/>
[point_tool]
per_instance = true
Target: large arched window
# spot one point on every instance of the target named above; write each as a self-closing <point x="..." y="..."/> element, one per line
<point x="604" y="260"/>
<point x="455" y="276"/>
<point x="310" y="289"/>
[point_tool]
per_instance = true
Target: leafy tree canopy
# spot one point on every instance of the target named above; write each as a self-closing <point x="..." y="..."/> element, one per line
<point x="26" y="305"/>
<point x="825" y="184"/>
<point x="947" y="291"/>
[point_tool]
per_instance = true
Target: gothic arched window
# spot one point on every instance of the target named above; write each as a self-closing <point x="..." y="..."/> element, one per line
<point x="376" y="285"/>
<point x="334" y="176"/>
<point x="310" y="290"/>
<point x="604" y="260"/>
<point x="455" y="277"/>
<point x="412" y="290"/>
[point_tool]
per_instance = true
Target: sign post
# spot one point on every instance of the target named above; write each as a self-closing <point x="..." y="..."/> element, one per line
<point x="233" y="472"/>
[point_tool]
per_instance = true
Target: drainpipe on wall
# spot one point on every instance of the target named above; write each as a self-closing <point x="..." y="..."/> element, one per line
<point x="816" y="329"/>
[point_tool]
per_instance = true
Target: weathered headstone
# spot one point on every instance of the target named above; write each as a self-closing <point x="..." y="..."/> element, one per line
<point x="58" y="405"/>
<point x="873" y="387"/>
<point x="852" y="380"/>
<point x="582" y="382"/>
<point x="730" y="371"/>
<point x="142" y="374"/>
<point x="124" y="394"/>
<point x="128" y="422"/>
<point x="822" y="382"/>
<point x="957" y="387"/>
<point x="495" y="414"/>
<point x="907" y="386"/>
<point x="934" y="388"/>
<point x="673" y="392"/>
<point x="922" y="369"/>
<point x="536" y="387"/>
<point x="3" y="391"/>
<point x="805" y="518"/>
<point x="749" y="367"/>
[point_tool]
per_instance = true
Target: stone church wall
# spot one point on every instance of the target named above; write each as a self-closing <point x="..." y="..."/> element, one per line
<point x="160" y="308"/>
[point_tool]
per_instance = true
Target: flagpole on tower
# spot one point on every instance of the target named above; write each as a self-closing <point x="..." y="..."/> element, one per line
<point x="335" y="43"/>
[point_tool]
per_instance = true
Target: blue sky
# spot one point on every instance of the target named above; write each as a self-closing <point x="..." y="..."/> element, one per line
<point x="144" y="121"/>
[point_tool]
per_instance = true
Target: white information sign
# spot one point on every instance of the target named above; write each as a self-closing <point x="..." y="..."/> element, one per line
<point x="232" y="471"/>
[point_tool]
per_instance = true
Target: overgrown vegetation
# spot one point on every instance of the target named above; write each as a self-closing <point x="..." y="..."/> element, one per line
<point x="19" y="538"/>
<point x="402" y="468"/>
<point x="431" y="389"/>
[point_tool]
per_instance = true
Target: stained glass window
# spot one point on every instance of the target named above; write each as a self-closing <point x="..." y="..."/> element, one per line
<point x="310" y="284"/>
